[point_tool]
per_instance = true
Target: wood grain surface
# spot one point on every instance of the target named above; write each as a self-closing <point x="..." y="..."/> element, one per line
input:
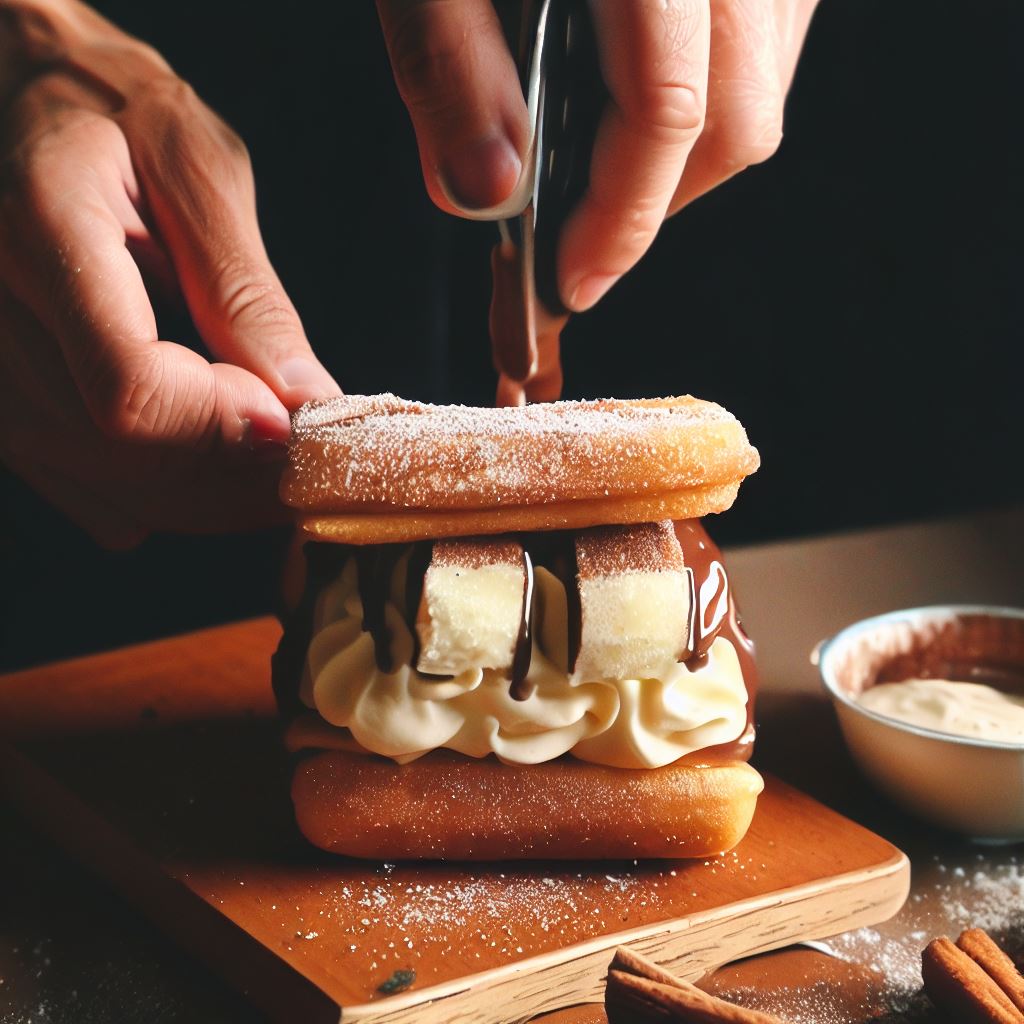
<point x="160" y="766"/>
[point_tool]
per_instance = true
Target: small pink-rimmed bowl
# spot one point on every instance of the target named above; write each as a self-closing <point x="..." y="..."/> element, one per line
<point x="972" y="786"/>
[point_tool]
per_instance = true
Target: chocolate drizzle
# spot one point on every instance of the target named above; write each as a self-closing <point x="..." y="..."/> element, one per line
<point x="708" y="624"/>
<point x="415" y="576"/>
<point x="703" y="562"/>
<point x="693" y="626"/>
<point x="524" y="641"/>
<point x="972" y="648"/>
<point x="574" y="605"/>
<point x="703" y="559"/>
<point x="323" y="563"/>
<point x="555" y="550"/>
<point x="375" y="566"/>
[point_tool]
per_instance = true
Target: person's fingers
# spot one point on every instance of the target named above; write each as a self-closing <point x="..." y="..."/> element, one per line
<point x="459" y="82"/>
<point x="38" y="412"/>
<point x="213" y="492"/>
<point x="792" y="21"/>
<point x="654" y="58"/>
<point x="72" y="269"/>
<point x="108" y="526"/>
<point x="754" y="48"/>
<point x="117" y="490"/>
<point x="156" y="268"/>
<point x="45" y="108"/>
<point x="32" y="370"/>
<point x="198" y="182"/>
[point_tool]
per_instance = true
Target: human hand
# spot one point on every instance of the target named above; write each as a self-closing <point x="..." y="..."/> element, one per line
<point x="114" y="175"/>
<point x="696" y="95"/>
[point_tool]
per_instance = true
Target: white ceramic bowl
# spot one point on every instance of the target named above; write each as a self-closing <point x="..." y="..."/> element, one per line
<point x="971" y="786"/>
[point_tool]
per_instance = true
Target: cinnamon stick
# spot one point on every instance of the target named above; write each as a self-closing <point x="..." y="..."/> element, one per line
<point x="630" y="962"/>
<point x="981" y="948"/>
<point x="962" y="989"/>
<point x="641" y="992"/>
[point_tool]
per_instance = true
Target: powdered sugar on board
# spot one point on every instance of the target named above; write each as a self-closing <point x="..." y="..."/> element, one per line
<point x="950" y="894"/>
<point x="881" y="976"/>
<point x="403" y="918"/>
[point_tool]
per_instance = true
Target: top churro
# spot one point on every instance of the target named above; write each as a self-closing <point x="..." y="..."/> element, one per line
<point x="370" y="469"/>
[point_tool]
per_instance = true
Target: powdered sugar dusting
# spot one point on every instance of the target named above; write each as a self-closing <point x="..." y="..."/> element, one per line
<point x="357" y="451"/>
<point x="402" y="919"/>
<point x="641" y="547"/>
<point x="444" y="922"/>
<point x="881" y="976"/>
<point x="477" y="553"/>
<point x="956" y="894"/>
<point x="347" y="412"/>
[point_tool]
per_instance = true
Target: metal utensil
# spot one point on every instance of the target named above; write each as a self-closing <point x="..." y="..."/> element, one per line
<point x="561" y="78"/>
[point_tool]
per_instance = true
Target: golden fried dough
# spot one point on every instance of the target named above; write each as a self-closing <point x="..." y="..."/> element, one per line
<point x="451" y="807"/>
<point x="367" y="470"/>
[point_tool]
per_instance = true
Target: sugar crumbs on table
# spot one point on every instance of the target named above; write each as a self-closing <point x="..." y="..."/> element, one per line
<point x="961" y="896"/>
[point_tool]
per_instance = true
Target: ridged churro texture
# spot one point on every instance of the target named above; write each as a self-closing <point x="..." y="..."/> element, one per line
<point x="446" y="806"/>
<point x="374" y="469"/>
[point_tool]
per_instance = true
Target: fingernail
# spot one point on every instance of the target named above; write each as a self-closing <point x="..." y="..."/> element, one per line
<point x="589" y="290"/>
<point x="481" y="173"/>
<point x="261" y="440"/>
<point x="268" y="428"/>
<point x="308" y="378"/>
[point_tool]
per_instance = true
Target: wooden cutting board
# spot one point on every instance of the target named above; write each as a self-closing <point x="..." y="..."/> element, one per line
<point x="160" y="766"/>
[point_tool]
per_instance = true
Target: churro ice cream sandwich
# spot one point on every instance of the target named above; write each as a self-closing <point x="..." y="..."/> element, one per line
<point x="516" y="640"/>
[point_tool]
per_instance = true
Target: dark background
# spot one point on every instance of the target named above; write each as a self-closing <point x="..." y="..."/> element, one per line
<point x="855" y="301"/>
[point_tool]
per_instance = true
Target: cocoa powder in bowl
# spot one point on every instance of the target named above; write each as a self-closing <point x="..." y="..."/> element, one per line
<point x="964" y="646"/>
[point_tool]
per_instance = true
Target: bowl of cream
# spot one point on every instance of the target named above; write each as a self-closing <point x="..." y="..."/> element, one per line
<point x="931" y="705"/>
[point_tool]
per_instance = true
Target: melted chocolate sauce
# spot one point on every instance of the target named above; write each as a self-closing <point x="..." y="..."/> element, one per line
<point x="574" y="605"/>
<point x="556" y="550"/>
<point x="721" y="584"/>
<point x="974" y="648"/>
<point x="703" y="558"/>
<point x="415" y="575"/>
<point x="524" y="641"/>
<point x="375" y="566"/>
<point x="323" y="564"/>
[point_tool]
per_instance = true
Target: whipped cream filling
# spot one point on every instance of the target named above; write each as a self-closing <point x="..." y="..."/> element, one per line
<point x="625" y="723"/>
<point x="959" y="708"/>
